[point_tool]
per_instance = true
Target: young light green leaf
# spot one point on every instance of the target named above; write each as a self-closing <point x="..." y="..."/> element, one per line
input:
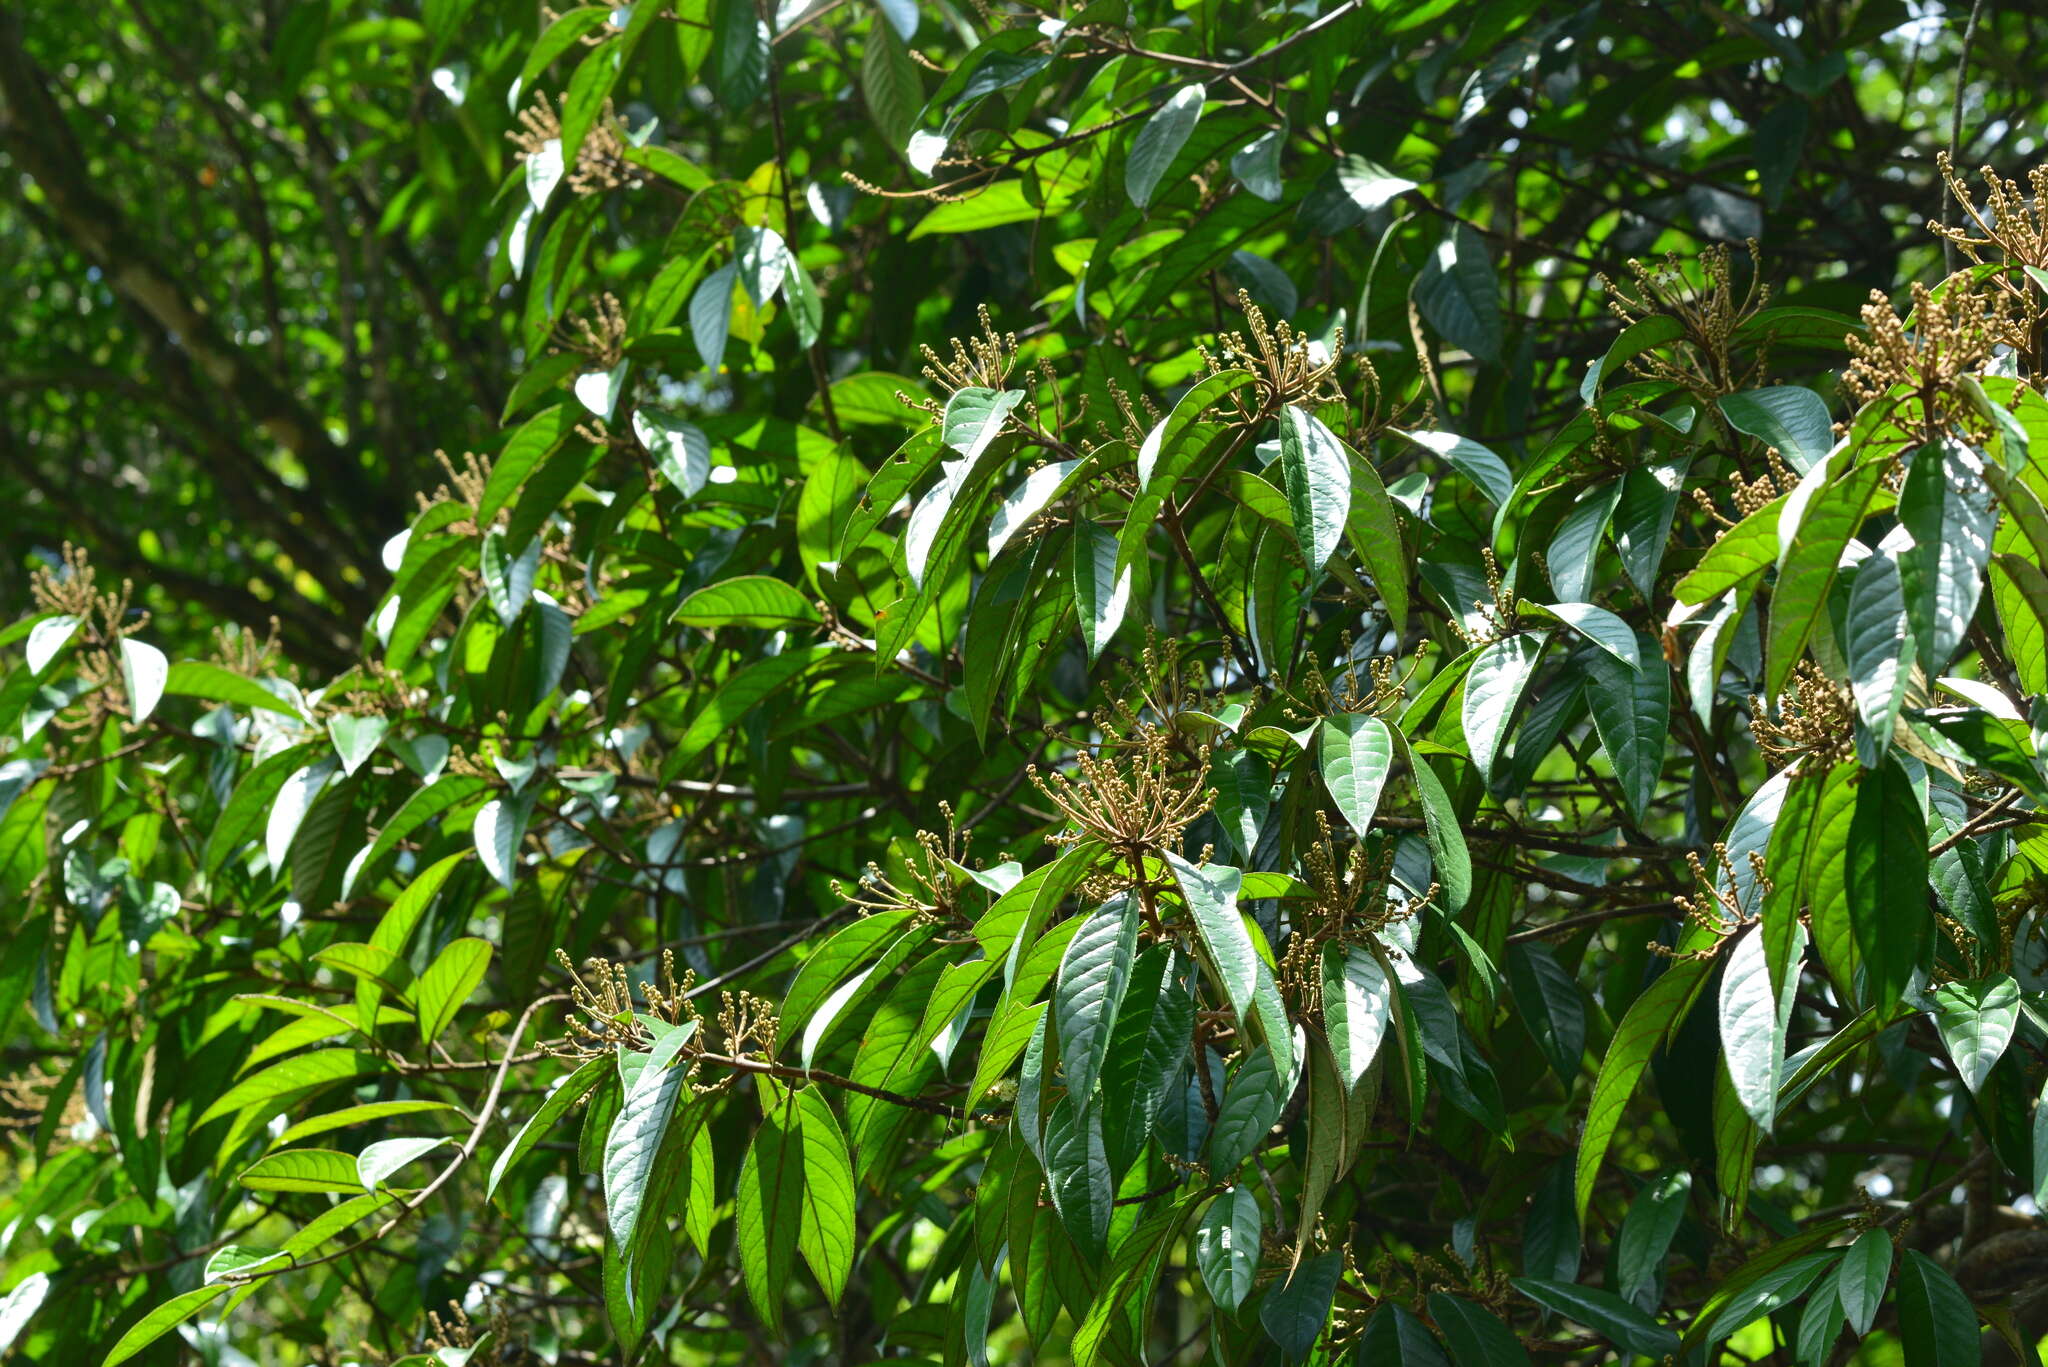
<point x="356" y="738"/>
<point x="161" y="1321"/>
<point x="1159" y="141"/>
<point x="768" y="1210"/>
<point x="1754" y="1019"/>
<point x="447" y="984"/>
<point x="566" y="1094"/>
<point x="827" y="1237"/>
<point x="711" y="314"/>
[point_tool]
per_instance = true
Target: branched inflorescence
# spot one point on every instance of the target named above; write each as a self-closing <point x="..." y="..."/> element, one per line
<point x="1709" y="314"/>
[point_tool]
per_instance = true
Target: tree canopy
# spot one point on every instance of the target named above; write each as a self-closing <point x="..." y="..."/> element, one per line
<point x="693" y="682"/>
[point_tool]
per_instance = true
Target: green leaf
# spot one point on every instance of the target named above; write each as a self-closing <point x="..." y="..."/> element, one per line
<point x="1256" y="165"/>
<point x="1395" y="1338"/>
<point x="1575" y="547"/>
<point x="1159" y="141"/>
<point x="161" y="1321"/>
<point x="1604" y="1313"/>
<point x="1077" y="1174"/>
<point x="1866" y="1267"/>
<point x="1806" y="573"/>
<point x="1210" y="892"/>
<point x="1451" y="859"/>
<point x="890" y="85"/>
<point x="747" y="600"/>
<point x="566" y="1094"/>
<point x="768" y="1210"/>
<point x="1318" y="471"/>
<point x="379" y="1160"/>
<point x="639" y="1151"/>
<point x="1647" y="1230"/>
<point x="290" y="1080"/>
<point x="1550" y="1006"/>
<point x="1493" y="691"/>
<point x="447" y="984"/>
<point x="1977" y="1020"/>
<point x="1356" y="752"/>
<point x="1460" y="296"/>
<point x="1358" y="1004"/>
<point x="1654" y="1013"/>
<point x="1738" y="557"/>
<point x="1101" y="593"/>
<point x="301" y="1170"/>
<point x="1093" y="975"/>
<point x="1632" y="714"/>
<point x="1793" y="420"/>
<point x="1885" y="881"/>
<point x="1602" y="628"/>
<point x="1227" y="1246"/>
<point x="1294" y="1312"/>
<point x="1937" y="1327"/>
<point x="1469" y="459"/>
<point x="1638" y="337"/>
<point x="828" y="1237"/>
<point x="680" y="450"/>
<point x="364" y="1114"/>
<point x="1475" y="1338"/>
<point x="1250" y="1105"/>
<point x="1949" y="510"/>
<point x="1754" y="1018"/>
<point x="1879" y="647"/>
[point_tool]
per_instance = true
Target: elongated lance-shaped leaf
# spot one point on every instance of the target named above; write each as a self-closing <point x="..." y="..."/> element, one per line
<point x="1093" y="975"/>
<point x="768" y="1209"/>
<point x="1632" y="714"/>
<point x="635" y="1149"/>
<point x="1754" y="1019"/>
<point x="1227" y="1246"/>
<point x="1077" y="1173"/>
<point x="1885" y="880"/>
<point x="1101" y="594"/>
<point x="1879" y="645"/>
<point x="1949" y="510"/>
<point x="1210" y="892"/>
<point x="1159" y="141"/>
<point x="1318" y="472"/>
<point x="827" y="1237"/>
<point x="1866" y="1267"/>
<point x="1356" y="751"/>
<point x="1493" y="692"/>
<point x="1358" y="1005"/>
<point x="1641" y="1032"/>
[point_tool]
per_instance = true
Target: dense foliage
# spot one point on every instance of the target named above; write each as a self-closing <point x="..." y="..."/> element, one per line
<point x="1421" y="744"/>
